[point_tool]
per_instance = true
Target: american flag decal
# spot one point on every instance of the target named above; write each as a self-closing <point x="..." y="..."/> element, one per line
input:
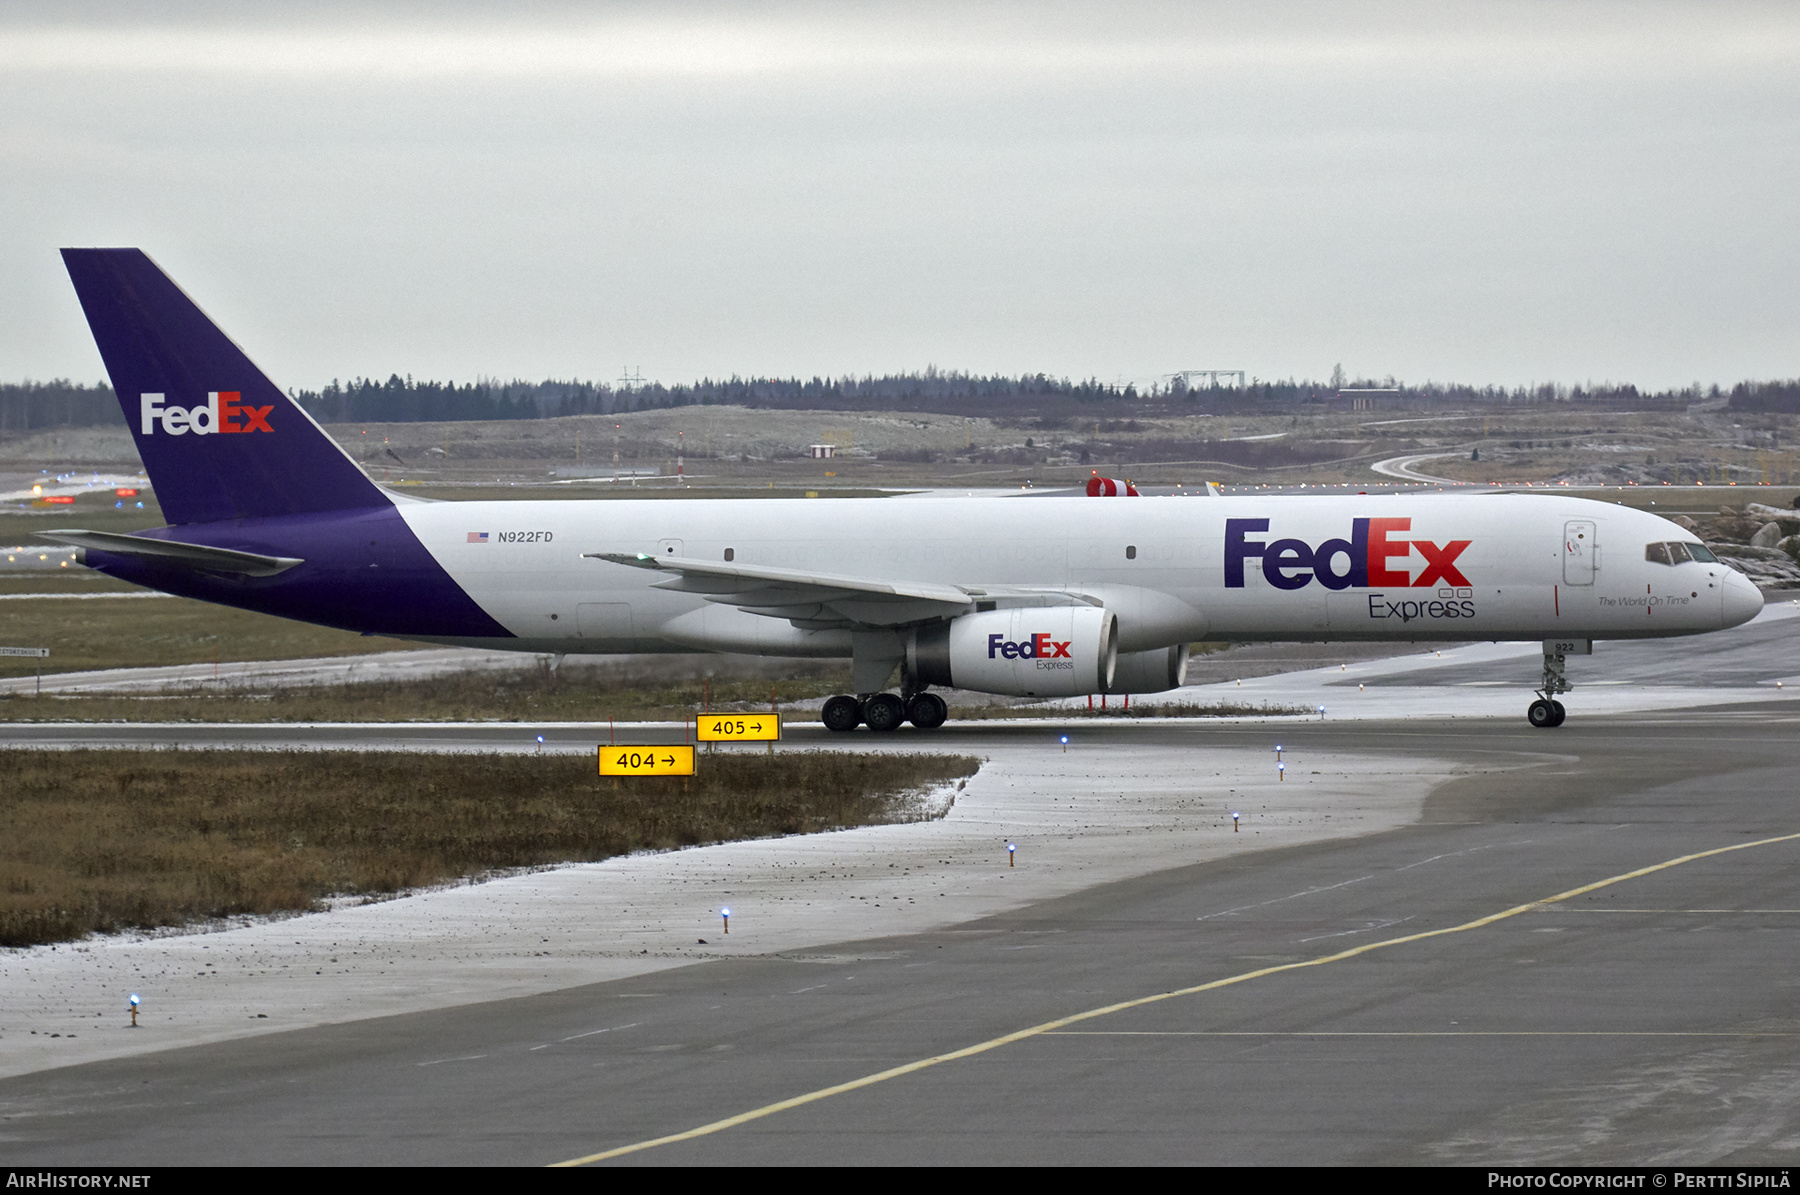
<point x="478" y="537"/>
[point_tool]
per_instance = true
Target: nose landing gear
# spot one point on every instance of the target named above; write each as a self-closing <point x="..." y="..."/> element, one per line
<point x="1547" y="712"/>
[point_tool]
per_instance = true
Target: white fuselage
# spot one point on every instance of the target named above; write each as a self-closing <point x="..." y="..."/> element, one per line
<point x="1492" y="566"/>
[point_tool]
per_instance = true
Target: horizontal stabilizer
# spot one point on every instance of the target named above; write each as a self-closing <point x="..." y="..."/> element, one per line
<point x="173" y="552"/>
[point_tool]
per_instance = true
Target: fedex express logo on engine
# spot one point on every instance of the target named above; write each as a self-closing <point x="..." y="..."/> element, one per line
<point x="1294" y="563"/>
<point x="222" y="413"/>
<point x="1038" y="647"/>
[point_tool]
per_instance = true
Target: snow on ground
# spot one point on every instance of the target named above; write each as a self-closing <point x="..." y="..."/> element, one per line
<point x="19" y="487"/>
<point x="1337" y="688"/>
<point x="328" y="670"/>
<point x="1100" y="812"/>
<point x="1109" y="808"/>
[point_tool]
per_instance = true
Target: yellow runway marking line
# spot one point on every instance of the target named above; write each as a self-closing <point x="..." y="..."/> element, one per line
<point x="1707" y="911"/>
<point x="1414" y="1033"/>
<point x="1047" y="1027"/>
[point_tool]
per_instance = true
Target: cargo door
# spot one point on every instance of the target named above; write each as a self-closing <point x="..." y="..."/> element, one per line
<point x="1580" y="553"/>
<point x="603" y="620"/>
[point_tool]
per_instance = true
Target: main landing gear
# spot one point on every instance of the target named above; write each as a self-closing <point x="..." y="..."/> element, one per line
<point x="1547" y="712"/>
<point x="884" y="711"/>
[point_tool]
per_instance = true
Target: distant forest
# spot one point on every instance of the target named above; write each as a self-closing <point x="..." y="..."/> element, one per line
<point x="34" y="406"/>
<point x="1766" y="396"/>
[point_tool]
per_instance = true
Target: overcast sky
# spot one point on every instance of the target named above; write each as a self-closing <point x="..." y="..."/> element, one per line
<point x="1488" y="193"/>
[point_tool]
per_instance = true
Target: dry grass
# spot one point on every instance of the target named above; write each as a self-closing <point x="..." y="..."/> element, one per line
<point x="115" y="840"/>
<point x="139" y="632"/>
<point x="524" y="695"/>
<point x="151" y="632"/>
<point x="92" y="511"/>
<point x="637" y="692"/>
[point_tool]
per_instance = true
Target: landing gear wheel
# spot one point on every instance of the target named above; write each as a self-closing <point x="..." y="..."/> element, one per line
<point x="841" y="713"/>
<point x="927" y="711"/>
<point x="1561" y="713"/>
<point x="883" y="712"/>
<point x="1542" y="714"/>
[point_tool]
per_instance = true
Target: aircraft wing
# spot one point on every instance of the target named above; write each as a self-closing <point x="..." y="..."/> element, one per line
<point x="822" y="600"/>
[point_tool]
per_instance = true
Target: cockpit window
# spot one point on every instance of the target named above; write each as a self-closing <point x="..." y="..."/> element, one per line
<point x="1678" y="553"/>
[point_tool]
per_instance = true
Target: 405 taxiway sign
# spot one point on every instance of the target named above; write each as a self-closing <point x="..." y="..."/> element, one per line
<point x="718" y="728"/>
<point x="647" y="761"/>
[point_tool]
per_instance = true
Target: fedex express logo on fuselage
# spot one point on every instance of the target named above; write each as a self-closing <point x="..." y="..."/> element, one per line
<point x="1294" y="563"/>
<point x="222" y="413"/>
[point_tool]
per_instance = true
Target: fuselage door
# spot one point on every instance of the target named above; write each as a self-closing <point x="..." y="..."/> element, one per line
<point x="1579" y="554"/>
<point x="603" y="620"/>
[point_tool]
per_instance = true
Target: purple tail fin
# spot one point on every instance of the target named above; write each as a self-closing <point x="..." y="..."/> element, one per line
<point x="217" y="437"/>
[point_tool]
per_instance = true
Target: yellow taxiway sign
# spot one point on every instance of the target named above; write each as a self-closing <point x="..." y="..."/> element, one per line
<point x="723" y="728"/>
<point x="676" y="760"/>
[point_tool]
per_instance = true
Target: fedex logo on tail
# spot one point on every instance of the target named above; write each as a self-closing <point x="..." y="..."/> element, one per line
<point x="1365" y="557"/>
<point x="222" y="412"/>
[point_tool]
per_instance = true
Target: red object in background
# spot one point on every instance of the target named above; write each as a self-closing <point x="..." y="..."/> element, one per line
<point x="56" y="501"/>
<point x="1107" y="487"/>
<point x="126" y="493"/>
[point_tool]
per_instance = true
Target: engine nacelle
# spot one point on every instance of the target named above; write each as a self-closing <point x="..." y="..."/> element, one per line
<point x="1150" y="671"/>
<point x="1110" y="487"/>
<point x="1033" y="651"/>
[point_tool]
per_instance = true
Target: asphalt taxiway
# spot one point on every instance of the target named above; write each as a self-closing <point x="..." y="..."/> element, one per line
<point x="1578" y="945"/>
<point x="1649" y="1020"/>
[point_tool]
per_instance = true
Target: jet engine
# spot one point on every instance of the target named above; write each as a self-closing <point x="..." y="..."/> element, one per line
<point x="1032" y="651"/>
<point x="1150" y="671"/>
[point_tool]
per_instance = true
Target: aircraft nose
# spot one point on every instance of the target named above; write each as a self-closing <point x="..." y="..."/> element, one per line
<point x="1742" y="599"/>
